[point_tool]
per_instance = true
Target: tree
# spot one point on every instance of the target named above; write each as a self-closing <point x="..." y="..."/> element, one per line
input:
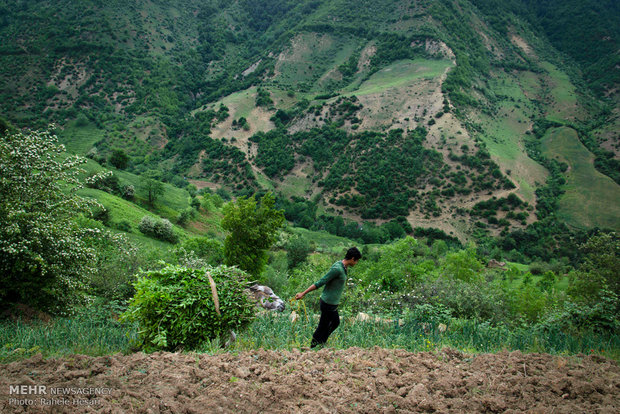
<point x="602" y="256"/>
<point x="253" y="230"/>
<point x="152" y="186"/>
<point x="463" y="265"/>
<point x="44" y="252"/>
<point x="5" y="126"/>
<point x="119" y="159"/>
<point x="297" y="251"/>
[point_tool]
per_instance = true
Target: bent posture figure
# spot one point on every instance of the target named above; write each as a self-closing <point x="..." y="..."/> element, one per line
<point x="334" y="282"/>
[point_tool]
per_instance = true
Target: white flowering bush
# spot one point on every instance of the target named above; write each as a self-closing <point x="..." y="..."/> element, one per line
<point x="159" y="229"/>
<point x="44" y="255"/>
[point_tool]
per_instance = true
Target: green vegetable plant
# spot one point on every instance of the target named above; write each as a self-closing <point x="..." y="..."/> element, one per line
<point x="175" y="307"/>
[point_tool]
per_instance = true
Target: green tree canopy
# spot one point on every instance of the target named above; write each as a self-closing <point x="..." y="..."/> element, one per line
<point x="44" y="253"/>
<point x="152" y="187"/>
<point x="119" y="159"/>
<point x="253" y="230"/>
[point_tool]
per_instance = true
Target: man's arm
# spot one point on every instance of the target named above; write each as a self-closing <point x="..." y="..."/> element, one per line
<point x="302" y="294"/>
<point x="332" y="273"/>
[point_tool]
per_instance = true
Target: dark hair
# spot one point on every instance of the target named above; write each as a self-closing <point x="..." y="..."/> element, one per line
<point x="353" y="253"/>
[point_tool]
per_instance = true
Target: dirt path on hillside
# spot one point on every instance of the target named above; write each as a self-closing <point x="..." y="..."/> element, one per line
<point x="344" y="381"/>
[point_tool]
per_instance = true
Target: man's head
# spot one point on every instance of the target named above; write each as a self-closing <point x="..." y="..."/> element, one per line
<point x="352" y="257"/>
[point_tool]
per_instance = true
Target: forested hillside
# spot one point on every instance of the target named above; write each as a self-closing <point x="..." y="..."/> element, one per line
<point x="423" y="114"/>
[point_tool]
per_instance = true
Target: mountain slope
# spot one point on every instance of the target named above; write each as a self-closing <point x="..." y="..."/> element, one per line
<point x="424" y="111"/>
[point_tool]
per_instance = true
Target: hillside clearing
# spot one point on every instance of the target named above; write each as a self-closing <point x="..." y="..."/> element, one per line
<point x="590" y="198"/>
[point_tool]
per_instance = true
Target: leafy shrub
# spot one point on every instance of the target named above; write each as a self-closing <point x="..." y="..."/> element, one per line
<point x="252" y="231"/>
<point x="175" y="308"/>
<point x="298" y="249"/>
<point x="530" y="302"/>
<point x="119" y="159"/>
<point x="159" y="229"/>
<point x="185" y="216"/>
<point x="195" y="203"/>
<point x="205" y="248"/>
<point x="574" y="317"/>
<point x="263" y="98"/>
<point x="485" y="301"/>
<point x="44" y="255"/>
<point x="128" y="192"/>
<point x="116" y="263"/>
<point x="537" y="268"/>
<point x="463" y="265"/>
<point x="602" y="256"/>
<point x="163" y="231"/>
<point x="107" y="182"/>
<point x="147" y="225"/>
<point x="429" y="313"/>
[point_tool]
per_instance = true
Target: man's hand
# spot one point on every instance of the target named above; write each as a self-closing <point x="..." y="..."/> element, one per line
<point x="302" y="294"/>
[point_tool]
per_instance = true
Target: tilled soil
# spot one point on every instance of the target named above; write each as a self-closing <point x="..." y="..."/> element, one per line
<point x="328" y="381"/>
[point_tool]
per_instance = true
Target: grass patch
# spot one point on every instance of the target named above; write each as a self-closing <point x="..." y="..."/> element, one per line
<point x="293" y="185"/>
<point x="94" y="333"/>
<point x="505" y="128"/>
<point x="325" y="242"/>
<point x="402" y="72"/>
<point x="276" y="332"/>
<point x="591" y="198"/>
<point x="563" y="94"/>
<point x="80" y="139"/>
<point x="311" y="56"/>
<point x="120" y="209"/>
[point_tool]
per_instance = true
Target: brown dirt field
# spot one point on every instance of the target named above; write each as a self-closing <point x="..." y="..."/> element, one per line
<point x="328" y="381"/>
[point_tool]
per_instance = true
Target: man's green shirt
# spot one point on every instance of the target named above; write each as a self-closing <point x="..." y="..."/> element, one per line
<point x="333" y="281"/>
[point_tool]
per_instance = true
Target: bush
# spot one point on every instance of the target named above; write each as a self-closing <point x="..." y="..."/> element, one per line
<point x="159" y="229"/>
<point x="209" y="250"/>
<point x="253" y="229"/>
<point x="116" y="264"/>
<point x="538" y="268"/>
<point x="185" y="216"/>
<point x="163" y="231"/>
<point x="128" y="192"/>
<point x="427" y="313"/>
<point x="463" y="265"/>
<point x="147" y="225"/>
<point x="298" y="249"/>
<point x="119" y="159"/>
<point x="107" y="182"/>
<point x="600" y="316"/>
<point x="175" y="307"/>
<point x="485" y="301"/>
<point x="44" y="255"/>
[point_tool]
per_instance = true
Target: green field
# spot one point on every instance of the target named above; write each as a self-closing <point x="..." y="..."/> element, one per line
<point x="506" y="126"/>
<point x="591" y="198"/>
<point x="401" y="73"/>
<point x="325" y="242"/>
<point x="80" y="139"/>
<point x="563" y="94"/>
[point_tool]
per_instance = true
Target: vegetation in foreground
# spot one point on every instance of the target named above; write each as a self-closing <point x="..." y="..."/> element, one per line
<point x="425" y="294"/>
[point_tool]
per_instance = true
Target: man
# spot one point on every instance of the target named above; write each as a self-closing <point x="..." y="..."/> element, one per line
<point x="334" y="281"/>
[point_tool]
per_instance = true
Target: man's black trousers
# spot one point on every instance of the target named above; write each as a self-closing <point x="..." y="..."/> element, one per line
<point x="327" y="324"/>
